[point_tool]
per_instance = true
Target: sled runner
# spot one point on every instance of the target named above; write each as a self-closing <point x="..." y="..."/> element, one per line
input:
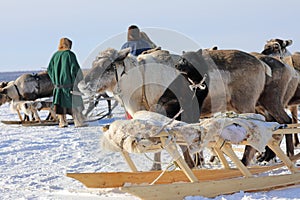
<point x="49" y="122"/>
<point x="119" y="179"/>
<point x="198" y="182"/>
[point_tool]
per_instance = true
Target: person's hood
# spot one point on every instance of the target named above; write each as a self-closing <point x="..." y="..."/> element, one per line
<point x="133" y="34"/>
<point x="64" y="44"/>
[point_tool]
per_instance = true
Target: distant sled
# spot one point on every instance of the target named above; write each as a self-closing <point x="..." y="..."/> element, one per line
<point x="50" y="122"/>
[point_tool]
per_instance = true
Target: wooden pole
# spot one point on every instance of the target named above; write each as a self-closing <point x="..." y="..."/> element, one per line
<point x="129" y="161"/>
<point x="217" y="149"/>
<point x="226" y="148"/>
<point x="173" y="151"/>
<point x="274" y="146"/>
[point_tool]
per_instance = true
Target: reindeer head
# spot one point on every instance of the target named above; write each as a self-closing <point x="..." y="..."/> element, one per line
<point x="3" y="96"/>
<point x="277" y="47"/>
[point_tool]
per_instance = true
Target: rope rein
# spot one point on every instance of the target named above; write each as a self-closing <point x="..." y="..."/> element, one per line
<point x="18" y="92"/>
<point x="144" y="98"/>
<point x="163" y="172"/>
<point x="200" y="85"/>
<point x="119" y="91"/>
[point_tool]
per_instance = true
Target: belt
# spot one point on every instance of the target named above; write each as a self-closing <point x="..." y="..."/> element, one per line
<point x="63" y="86"/>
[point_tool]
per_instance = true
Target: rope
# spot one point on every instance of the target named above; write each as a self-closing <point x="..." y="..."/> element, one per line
<point x="144" y="98"/>
<point x="18" y="92"/>
<point x="168" y="123"/>
<point x="169" y="138"/>
<point x="162" y="173"/>
<point x="156" y="162"/>
<point x="171" y="163"/>
<point x="234" y="115"/>
<point x="119" y="92"/>
<point x="200" y="85"/>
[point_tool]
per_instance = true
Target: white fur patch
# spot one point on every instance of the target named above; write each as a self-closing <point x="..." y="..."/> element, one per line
<point x="234" y="133"/>
<point x="138" y="134"/>
<point x="151" y="77"/>
<point x="258" y="131"/>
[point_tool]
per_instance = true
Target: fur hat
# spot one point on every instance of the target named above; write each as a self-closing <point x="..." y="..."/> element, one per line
<point x="133" y="33"/>
<point x="64" y="44"/>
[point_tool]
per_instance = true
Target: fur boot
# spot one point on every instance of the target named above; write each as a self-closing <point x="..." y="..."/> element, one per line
<point x="62" y="121"/>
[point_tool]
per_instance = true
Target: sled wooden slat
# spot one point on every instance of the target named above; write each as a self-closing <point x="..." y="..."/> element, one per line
<point x="118" y="179"/>
<point x="295" y="125"/>
<point x="10" y="122"/>
<point x="290" y="129"/>
<point x="287" y="131"/>
<point x="212" y="188"/>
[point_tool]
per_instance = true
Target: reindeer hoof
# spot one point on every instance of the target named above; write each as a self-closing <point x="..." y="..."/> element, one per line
<point x="156" y="167"/>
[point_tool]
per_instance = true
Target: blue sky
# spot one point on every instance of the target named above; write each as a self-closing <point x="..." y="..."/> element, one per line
<point x="30" y="29"/>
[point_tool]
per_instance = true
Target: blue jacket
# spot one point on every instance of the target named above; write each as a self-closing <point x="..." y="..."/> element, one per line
<point x="137" y="46"/>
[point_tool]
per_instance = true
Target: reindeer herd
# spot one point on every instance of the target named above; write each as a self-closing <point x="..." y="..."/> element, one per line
<point x="267" y="83"/>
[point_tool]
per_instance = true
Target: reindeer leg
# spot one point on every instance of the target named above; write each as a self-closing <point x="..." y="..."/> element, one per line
<point x="294" y="112"/>
<point x="26" y="117"/>
<point x="156" y="165"/>
<point x="91" y="106"/>
<point x="249" y="155"/>
<point x="32" y="116"/>
<point x="296" y="138"/>
<point x="289" y="145"/>
<point x="296" y="142"/>
<point x="187" y="157"/>
<point x="36" y="115"/>
<point x="199" y="159"/>
<point x="19" y="114"/>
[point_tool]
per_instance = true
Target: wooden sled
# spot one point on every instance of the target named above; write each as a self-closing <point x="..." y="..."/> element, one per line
<point x="118" y="179"/>
<point x="48" y="122"/>
<point x="202" y="182"/>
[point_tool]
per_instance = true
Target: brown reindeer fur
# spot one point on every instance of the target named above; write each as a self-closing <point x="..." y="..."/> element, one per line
<point x="27" y="87"/>
<point x="243" y="80"/>
<point x="272" y="99"/>
<point x="278" y="49"/>
<point x="278" y="90"/>
<point x="294" y="60"/>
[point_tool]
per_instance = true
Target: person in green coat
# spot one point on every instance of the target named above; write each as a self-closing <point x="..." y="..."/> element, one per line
<point x="65" y="73"/>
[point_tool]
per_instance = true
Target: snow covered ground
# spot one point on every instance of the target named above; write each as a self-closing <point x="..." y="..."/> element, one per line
<point x="34" y="161"/>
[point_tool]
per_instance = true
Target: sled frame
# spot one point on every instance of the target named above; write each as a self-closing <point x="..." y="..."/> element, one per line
<point x="244" y="180"/>
<point x="215" y="188"/>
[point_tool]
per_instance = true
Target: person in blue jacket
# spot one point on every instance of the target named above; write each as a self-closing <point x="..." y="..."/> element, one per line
<point x="135" y="41"/>
<point x="137" y="45"/>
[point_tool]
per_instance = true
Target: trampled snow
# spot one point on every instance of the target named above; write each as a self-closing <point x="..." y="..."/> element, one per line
<point x="34" y="162"/>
